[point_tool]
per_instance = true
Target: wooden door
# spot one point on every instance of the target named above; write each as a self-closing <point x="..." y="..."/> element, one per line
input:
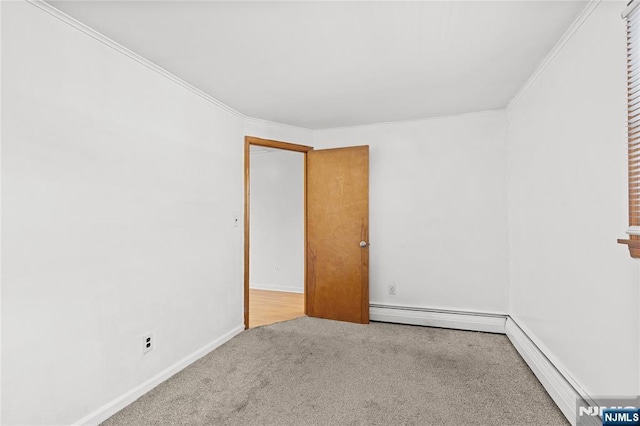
<point x="338" y="234"/>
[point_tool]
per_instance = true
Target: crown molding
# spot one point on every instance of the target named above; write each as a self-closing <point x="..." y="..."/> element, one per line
<point x="575" y="26"/>
<point x="46" y="7"/>
<point x="57" y="13"/>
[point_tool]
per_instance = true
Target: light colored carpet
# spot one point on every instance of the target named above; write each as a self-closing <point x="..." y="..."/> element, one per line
<point x="310" y="371"/>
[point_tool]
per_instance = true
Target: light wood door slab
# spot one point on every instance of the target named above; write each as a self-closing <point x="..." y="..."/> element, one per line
<point x="337" y="223"/>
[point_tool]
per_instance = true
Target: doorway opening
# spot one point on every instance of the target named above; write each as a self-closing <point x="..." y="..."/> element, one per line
<point x="275" y="231"/>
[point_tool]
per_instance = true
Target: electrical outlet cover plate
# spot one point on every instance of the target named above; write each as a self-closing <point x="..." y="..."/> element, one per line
<point x="392" y="288"/>
<point x="147" y="343"/>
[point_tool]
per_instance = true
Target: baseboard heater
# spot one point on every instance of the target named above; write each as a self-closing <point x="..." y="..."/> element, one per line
<point x="461" y="320"/>
<point x="563" y="390"/>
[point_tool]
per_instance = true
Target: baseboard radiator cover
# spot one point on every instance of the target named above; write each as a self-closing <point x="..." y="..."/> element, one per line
<point x="460" y="320"/>
<point x="103" y="413"/>
<point x="558" y="386"/>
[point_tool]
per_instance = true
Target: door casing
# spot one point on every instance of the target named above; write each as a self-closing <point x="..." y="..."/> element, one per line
<point x="248" y="141"/>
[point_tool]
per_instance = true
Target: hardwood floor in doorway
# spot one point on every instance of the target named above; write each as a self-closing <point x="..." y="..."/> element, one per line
<point x="268" y="307"/>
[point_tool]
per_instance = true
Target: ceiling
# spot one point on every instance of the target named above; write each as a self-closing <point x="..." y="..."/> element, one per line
<point x="332" y="64"/>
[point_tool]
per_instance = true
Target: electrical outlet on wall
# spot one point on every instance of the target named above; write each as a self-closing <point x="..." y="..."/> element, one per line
<point x="392" y="288"/>
<point x="147" y="343"/>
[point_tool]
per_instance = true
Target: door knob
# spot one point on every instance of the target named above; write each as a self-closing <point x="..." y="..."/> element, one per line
<point x="363" y="244"/>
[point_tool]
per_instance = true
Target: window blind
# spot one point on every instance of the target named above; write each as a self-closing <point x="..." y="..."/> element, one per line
<point x="633" y="114"/>
<point x="632" y="15"/>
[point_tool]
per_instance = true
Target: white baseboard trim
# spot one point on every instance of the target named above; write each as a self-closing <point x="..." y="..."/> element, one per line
<point x="283" y="288"/>
<point x="557" y="386"/>
<point x="474" y="321"/>
<point x="108" y="410"/>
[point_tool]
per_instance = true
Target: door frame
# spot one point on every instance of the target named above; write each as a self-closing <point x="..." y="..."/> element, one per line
<point x="252" y="140"/>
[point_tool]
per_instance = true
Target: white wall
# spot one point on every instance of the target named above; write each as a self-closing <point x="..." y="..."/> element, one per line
<point x="277" y="221"/>
<point x="572" y="288"/>
<point x="118" y="190"/>
<point x="279" y="132"/>
<point x="437" y="210"/>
